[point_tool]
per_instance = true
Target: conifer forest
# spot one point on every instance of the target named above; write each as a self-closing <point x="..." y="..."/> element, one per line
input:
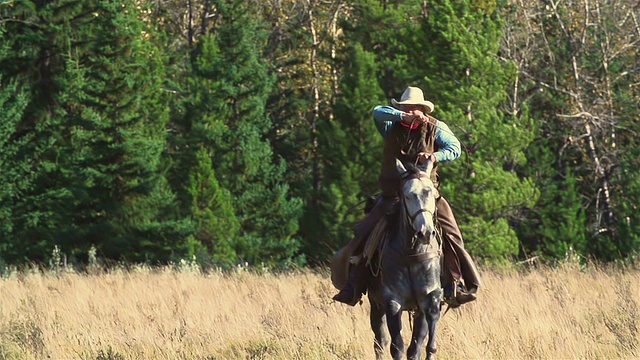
<point x="241" y="132"/>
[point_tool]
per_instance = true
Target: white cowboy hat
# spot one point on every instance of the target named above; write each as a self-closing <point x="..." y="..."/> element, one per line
<point x="414" y="96"/>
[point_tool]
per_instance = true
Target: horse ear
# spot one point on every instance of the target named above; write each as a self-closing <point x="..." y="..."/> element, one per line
<point x="400" y="167"/>
<point x="429" y="167"/>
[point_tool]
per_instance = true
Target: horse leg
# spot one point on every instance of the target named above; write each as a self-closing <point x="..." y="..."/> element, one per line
<point x="432" y="315"/>
<point x="420" y="329"/>
<point x="378" y="325"/>
<point x="394" y="323"/>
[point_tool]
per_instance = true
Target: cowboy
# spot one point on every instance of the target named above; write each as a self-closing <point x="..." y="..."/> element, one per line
<point x="409" y="133"/>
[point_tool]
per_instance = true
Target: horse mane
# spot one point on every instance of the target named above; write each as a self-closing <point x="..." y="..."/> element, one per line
<point x="413" y="169"/>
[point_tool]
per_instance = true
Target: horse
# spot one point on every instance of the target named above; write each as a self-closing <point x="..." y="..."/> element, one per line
<point x="409" y="269"/>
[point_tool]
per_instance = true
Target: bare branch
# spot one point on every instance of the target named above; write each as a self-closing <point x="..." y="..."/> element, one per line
<point x="578" y="115"/>
<point x="549" y="86"/>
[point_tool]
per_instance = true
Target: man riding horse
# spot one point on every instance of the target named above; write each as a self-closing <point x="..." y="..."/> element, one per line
<point x="410" y="135"/>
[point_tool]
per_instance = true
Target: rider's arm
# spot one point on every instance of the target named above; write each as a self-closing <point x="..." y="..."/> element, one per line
<point x="385" y="117"/>
<point x="447" y="143"/>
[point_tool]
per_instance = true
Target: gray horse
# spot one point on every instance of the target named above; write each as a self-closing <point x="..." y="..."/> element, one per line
<point x="409" y="269"/>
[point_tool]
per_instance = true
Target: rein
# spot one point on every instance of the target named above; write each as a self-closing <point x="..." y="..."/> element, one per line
<point x="409" y="258"/>
<point x="415" y="215"/>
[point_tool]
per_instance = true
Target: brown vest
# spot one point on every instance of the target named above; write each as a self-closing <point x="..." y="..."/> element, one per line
<point x="405" y="144"/>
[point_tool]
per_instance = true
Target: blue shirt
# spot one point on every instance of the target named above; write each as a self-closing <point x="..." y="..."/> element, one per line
<point x="386" y="117"/>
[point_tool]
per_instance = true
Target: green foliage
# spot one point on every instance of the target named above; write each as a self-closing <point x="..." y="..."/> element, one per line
<point x="467" y="83"/>
<point x="290" y="102"/>
<point x="351" y="149"/>
<point x="14" y="172"/>
<point x="493" y="239"/>
<point x="224" y="114"/>
<point x="96" y="132"/>
<point x="212" y="211"/>
<point x="391" y="32"/>
<point x="561" y="227"/>
<point x="623" y="239"/>
<point x="587" y="124"/>
<point x="159" y="131"/>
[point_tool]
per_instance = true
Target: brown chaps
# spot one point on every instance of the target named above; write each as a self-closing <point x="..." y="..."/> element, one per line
<point x="457" y="264"/>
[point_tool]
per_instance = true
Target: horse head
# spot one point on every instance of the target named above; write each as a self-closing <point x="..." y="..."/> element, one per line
<point x="418" y="195"/>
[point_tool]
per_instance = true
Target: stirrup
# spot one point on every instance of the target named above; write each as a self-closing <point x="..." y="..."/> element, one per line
<point x="452" y="298"/>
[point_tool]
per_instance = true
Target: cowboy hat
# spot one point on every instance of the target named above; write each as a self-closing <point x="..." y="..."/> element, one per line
<point x="414" y="96"/>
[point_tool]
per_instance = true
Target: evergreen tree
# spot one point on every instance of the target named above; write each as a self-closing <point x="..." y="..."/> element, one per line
<point x="225" y="115"/>
<point x="26" y="134"/>
<point x="290" y="102"/>
<point x="93" y="132"/>
<point x="460" y="42"/>
<point x="628" y="231"/>
<point x="351" y="148"/>
<point x="212" y="211"/>
<point x="391" y="30"/>
<point x="123" y="139"/>
<point x="557" y="224"/>
<point x="14" y="170"/>
<point x="626" y="182"/>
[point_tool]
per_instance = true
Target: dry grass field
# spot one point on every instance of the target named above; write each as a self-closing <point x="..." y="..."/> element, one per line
<point x="178" y="313"/>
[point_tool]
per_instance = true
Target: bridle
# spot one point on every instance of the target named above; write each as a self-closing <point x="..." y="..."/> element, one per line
<point x="412" y="217"/>
<point x="411" y="257"/>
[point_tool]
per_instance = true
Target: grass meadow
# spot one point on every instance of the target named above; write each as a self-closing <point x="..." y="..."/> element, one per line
<point x="178" y="312"/>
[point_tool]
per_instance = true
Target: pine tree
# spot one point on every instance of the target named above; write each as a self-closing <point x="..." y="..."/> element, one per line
<point x="290" y="104"/>
<point x="26" y="134"/>
<point x="213" y="212"/>
<point x="391" y="31"/>
<point x="628" y="239"/>
<point x="124" y="138"/>
<point x="556" y="225"/>
<point x="14" y="170"/>
<point x="225" y="115"/>
<point x="467" y="83"/>
<point x="95" y="132"/>
<point x="351" y="148"/>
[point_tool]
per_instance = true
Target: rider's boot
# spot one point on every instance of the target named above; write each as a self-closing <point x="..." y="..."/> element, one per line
<point x="455" y="294"/>
<point x="353" y="291"/>
<point x="464" y="296"/>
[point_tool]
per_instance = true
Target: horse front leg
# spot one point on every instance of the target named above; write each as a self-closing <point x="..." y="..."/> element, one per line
<point x="420" y="329"/>
<point x="394" y="323"/>
<point x="379" y="327"/>
<point x="432" y="315"/>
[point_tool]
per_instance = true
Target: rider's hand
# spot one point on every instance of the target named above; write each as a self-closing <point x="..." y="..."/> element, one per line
<point x="415" y="116"/>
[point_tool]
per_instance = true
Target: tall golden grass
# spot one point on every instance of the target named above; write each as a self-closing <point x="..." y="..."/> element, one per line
<point x="179" y="313"/>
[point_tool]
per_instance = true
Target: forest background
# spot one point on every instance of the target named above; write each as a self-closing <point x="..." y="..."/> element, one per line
<point x="240" y="132"/>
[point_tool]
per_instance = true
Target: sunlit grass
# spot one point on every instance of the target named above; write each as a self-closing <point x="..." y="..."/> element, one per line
<point x="568" y="312"/>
